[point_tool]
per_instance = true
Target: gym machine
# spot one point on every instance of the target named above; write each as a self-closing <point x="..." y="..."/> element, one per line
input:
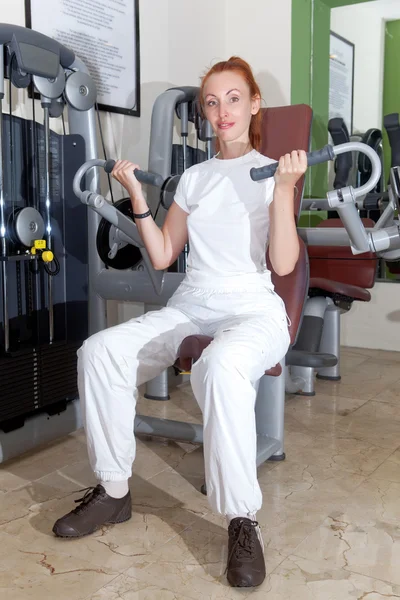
<point x="154" y="287"/>
<point x="44" y="293"/>
<point x="338" y="277"/>
<point x="328" y="298"/>
<point x="62" y="80"/>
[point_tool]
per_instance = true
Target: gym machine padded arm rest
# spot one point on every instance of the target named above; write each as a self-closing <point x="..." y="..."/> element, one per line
<point x="316" y="360"/>
<point x="193" y="346"/>
<point x="342" y="289"/>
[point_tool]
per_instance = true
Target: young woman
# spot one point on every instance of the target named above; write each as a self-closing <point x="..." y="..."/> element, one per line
<point x="227" y="293"/>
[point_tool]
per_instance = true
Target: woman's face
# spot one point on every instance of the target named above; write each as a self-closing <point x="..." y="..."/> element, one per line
<point x="229" y="107"/>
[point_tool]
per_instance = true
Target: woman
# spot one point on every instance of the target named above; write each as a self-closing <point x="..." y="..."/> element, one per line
<point x="228" y="220"/>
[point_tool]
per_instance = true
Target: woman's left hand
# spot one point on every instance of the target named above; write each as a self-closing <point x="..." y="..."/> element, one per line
<point x="291" y="168"/>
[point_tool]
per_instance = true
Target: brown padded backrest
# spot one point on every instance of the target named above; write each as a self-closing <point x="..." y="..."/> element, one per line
<point x="284" y="129"/>
<point x="293" y="289"/>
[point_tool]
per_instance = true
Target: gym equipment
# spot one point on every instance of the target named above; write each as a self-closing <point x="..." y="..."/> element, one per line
<point x="44" y="292"/>
<point x="123" y="231"/>
<point x="392" y="126"/>
<point x="329" y="257"/>
<point x="337" y="276"/>
<point x="344" y="162"/>
<point x="115" y="253"/>
<point x="141" y="283"/>
<point x="145" y="287"/>
<point x="355" y="169"/>
<point x="281" y="134"/>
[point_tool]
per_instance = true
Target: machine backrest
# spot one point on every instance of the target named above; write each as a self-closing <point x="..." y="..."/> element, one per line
<point x="293" y="290"/>
<point x="284" y="129"/>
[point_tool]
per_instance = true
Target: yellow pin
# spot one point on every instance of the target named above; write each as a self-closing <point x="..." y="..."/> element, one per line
<point x="47" y="256"/>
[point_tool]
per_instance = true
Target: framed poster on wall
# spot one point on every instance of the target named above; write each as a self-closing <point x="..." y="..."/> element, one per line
<point x="341" y="79"/>
<point x="104" y="34"/>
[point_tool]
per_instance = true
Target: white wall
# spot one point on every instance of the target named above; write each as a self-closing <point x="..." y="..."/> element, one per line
<point x="260" y="32"/>
<point x="374" y="324"/>
<point x="364" y="25"/>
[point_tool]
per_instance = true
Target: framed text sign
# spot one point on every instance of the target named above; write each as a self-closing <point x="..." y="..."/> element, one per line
<point x="341" y="79"/>
<point x="104" y="34"/>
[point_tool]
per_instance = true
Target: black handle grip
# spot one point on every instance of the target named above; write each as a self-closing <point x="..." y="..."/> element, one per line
<point x="142" y="176"/>
<point x="108" y="167"/>
<point x="313" y="158"/>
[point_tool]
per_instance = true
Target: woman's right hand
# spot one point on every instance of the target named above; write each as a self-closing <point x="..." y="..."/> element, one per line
<point x="123" y="172"/>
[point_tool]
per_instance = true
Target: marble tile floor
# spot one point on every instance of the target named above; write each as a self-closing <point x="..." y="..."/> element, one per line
<point x="330" y="519"/>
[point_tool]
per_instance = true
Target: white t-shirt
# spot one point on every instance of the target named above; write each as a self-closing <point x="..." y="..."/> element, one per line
<point x="228" y="222"/>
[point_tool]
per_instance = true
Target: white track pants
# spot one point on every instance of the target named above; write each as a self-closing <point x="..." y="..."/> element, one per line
<point x="250" y="335"/>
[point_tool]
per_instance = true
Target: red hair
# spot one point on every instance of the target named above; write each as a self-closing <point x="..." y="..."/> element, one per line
<point x="240" y="66"/>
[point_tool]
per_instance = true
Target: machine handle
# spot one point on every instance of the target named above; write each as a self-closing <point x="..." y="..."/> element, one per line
<point x="375" y="165"/>
<point x="313" y="158"/>
<point x="142" y="176"/>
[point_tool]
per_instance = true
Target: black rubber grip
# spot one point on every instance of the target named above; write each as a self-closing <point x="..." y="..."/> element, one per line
<point x="149" y="178"/>
<point x="313" y="158"/>
<point x="142" y="176"/>
<point x="108" y="167"/>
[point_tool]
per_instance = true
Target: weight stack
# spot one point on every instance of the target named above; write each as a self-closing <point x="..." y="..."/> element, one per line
<point x="37" y="375"/>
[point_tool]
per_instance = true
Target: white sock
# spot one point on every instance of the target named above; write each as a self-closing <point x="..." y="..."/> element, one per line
<point x="251" y="516"/>
<point x="116" y="489"/>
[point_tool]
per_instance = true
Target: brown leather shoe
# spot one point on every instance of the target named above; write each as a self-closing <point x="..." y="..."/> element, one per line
<point x="97" y="508"/>
<point x="246" y="565"/>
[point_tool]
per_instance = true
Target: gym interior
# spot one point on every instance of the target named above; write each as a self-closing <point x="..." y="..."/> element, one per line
<point x="73" y="264"/>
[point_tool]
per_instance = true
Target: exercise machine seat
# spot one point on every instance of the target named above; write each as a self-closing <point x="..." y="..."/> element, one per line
<point x="342" y="272"/>
<point x="292" y="288"/>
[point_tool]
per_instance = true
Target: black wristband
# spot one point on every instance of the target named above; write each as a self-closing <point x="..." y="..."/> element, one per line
<point x="142" y="215"/>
